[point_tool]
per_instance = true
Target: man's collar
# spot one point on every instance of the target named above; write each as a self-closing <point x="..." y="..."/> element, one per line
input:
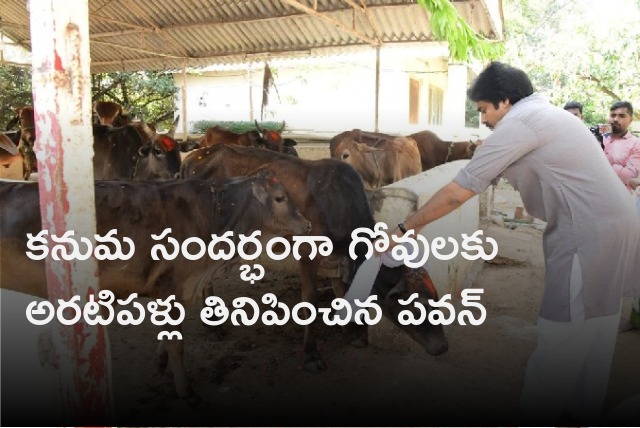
<point x="623" y="136"/>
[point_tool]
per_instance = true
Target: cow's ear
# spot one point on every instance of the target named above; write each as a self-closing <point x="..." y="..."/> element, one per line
<point x="187" y="146"/>
<point x="396" y="292"/>
<point x="260" y="193"/>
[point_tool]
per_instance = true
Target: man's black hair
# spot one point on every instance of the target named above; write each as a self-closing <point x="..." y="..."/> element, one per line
<point x="622" y="104"/>
<point x="573" y="104"/>
<point x="499" y="82"/>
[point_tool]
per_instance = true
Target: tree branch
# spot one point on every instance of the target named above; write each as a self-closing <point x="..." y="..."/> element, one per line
<point x="605" y="90"/>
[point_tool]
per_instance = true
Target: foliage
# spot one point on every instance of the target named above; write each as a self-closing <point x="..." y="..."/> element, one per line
<point x="471" y="115"/>
<point x="147" y="95"/>
<point x="585" y="51"/>
<point x="200" y="126"/>
<point x="15" y="87"/>
<point x="464" y="42"/>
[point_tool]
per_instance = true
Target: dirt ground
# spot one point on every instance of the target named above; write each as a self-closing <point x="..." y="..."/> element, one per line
<point x="254" y="375"/>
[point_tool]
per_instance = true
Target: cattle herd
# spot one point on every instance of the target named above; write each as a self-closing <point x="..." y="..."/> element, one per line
<point x="228" y="181"/>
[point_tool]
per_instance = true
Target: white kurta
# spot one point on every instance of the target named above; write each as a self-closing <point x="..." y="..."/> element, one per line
<point x="564" y="179"/>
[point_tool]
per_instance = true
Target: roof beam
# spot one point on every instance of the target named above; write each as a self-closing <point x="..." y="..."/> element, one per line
<point x="123" y="23"/>
<point x="246" y="55"/>
<point x="338" y="24"/>
<point x="362" y="7"/>
<point x="138" y="29"/>
<point x="13" y="25"/>
<point x="136" y="10"/>
<point x="132" y="48"/>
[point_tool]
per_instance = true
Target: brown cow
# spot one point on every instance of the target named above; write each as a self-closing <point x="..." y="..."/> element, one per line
<point x="191" y="208"/>
<point x="136" y="152"/>
<point x="261" y="138"/>
<point x="434" y="151"/>
<point x="368" y="138"/>
<point x="25" y="118"/>
<point x="111" y="114"/>
<point x="218" y="135"/>
<point x="274" y="139"/>
<point x="331" y="195"/>
<point x="386" y="162"/>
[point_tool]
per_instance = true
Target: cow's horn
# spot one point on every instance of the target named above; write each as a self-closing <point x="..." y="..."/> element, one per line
<point x="147" y="130"/>
<point x="282" y="127"/>
<point x="258" y="126"/>
<point x="174" y="126"/>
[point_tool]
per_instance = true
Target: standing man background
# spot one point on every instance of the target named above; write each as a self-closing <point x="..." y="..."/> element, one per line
<point x="622" y="149"/>
<point x="590" y="242"/>
<point x="575" y="108"/>
<point x="621" y="146"/>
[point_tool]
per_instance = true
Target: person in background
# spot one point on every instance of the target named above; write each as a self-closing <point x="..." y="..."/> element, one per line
<point x="633" y="323"/>
<point x="575" y="108"/>
<point x="621" y="147"/>
<point x="591" y="241"/>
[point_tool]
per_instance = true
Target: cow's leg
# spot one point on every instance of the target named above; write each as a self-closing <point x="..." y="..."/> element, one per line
<point x="308" y="276"/>
<point x="175" y="351"/>
<point x="339" y="287"/>
<point x="162" y="357"/>
<point x="355" y="334"/>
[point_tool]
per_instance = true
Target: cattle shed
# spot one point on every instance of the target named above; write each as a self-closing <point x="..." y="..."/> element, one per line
<point x="165" y="34"/>
<point x="245" y="34"/>
<point x="69" y="40"/>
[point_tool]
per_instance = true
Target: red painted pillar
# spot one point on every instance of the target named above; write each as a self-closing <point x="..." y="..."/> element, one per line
<point x="64" y="149"/>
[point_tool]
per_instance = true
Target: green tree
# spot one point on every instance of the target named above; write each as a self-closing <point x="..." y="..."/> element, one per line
<point x="464" y="43"/>
<point x="587" y="51"/>
<point x="148" y="95"/>
<point x="15" y="87"/>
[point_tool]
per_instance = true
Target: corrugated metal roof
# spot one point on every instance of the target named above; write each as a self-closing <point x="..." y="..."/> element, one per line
<point x="167" y="34"/>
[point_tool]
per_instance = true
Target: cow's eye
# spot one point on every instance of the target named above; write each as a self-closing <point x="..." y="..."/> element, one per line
<point x="280" y="199"/>
<point x="157" y="151"/>
<point x="345" y="155"/>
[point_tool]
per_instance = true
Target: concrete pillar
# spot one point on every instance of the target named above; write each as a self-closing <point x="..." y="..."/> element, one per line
<point x="62" y="105"/>
<point x="454" y="99"/>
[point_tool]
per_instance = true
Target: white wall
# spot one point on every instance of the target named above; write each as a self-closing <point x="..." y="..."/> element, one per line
<point x="330" y="95"/>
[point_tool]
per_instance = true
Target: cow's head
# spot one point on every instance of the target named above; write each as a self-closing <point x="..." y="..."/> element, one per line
<point x="349" y="150"/>
<point x="393" y="284"/>
<point x="363" y="158"/>
<point x="25" y="118"/>
<point x="108" y="113"/>
<point x="158" y="158"/>
<point x="272" y="139"/>
<point x="289" y="147"/>
<point x="259" y="202"/>
<point x="471" y="148"/>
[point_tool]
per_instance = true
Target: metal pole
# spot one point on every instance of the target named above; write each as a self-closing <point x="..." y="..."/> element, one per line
<point x="62" y="103"/>
<point x="377" y="100"/>
<point x="184" y="102"/>
<point x="250" y="79"/>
